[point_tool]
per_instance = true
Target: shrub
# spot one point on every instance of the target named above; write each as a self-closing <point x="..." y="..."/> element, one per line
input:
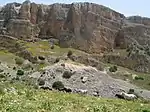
<point x="14" y="68"/>
<point x="58" y="85"/>
<point x="69" y="53"/>
<point x="20" y="72"/>
<point x="113" y="69"/>
<point x="41" y="82"/>
<point x="67" y="74"/>
<point x="52" y="47"/>
<point x="128" y="50"/>
<point x="19" y="61"/>
<point x="139" y="78"/>
<point x="1" y="70"/>
<point x="148" y="53"/>
<point x="145" y="110"/>
<point x="2" y="75"/>
<point x="41" y="57"/>
<point x="57" y="60"/>
<point x="131" y="91"/>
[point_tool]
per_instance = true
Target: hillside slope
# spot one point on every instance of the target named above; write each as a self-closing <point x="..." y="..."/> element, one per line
<point x="20" y="98"/>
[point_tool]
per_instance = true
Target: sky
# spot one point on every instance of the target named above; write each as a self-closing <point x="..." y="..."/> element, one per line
<point x="127" y="7"/>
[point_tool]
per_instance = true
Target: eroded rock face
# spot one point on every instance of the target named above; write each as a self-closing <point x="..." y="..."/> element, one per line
<point x="86" y="26"/>
<point x="91" y="24"/>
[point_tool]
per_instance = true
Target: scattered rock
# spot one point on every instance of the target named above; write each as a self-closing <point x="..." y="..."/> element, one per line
<point x="84" y="79"/>
<point x="81" y="91"/>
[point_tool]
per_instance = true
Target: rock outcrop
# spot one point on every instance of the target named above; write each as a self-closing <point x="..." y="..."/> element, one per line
<point x="98" y="27"/>
<point x="93" y="24"/>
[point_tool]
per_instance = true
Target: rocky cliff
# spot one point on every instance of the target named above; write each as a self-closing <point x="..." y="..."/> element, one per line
<point x="86" y="26"/>
<point x="73" y="24"/>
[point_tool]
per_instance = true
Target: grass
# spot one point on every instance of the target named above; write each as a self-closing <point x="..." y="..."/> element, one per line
<point x="7" y="57"/>
<point x="121" y="52"/>
<point x="145" y="84"/>
<point x="44" y="48"/>
<point x="27" y="99"/>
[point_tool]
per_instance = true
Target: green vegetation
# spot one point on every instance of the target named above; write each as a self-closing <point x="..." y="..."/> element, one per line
<point x="131" y="91"/>
<point x="67" y="74"/>
<point x="58" y="85"/>
<point x="27" y="99"/>
<point x="41" y="82"/>
<point x="1" y="70"/>
<point x="7" y="57"/>
<point x="125" y="73"/>
<point x="19" y="61"/>
<point x="41" y="65"/>
<point x="20" y="72"/>
<point x="139" y="78"/>
<point x="69" y="53"/>
<point x="113" y="69"/>
<point x="44" y="48"/>
<point x="41" y="57"/>
<point x="57" y="60"/>
<point x="52" y="47"/>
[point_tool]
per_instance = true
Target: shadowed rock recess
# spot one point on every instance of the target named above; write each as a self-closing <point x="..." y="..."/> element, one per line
<point x="85" y="26"/>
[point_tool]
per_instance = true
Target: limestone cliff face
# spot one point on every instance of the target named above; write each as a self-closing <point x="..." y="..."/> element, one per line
<point x="85" y="26"/>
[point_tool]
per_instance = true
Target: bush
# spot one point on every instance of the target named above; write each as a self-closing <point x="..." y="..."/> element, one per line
<point x="19" y="61"/>
<point x="113" y="69"/>
<point x="67" y="74"/>
<point x="52" y="47"/>
<point x="57" y="60"/>
<point x="2" y="75"/>
<point x="14" y="68"/>
<point x="58" y="85"/>
<point x="69" y="53"/>
<point x="145" y="110"/>
<point x="139" y="78"/>
<point x="41" y="57"/>
<point x="20" y="72"/>
<point x="41" y="82"/>
<point x="1" y="70"/>
<point x="131" y="91"/>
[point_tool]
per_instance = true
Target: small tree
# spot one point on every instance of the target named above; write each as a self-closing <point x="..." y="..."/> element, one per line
<point x="1" y="70"/>
<point x="20" y="72"/>
<point x="58" y="85"/>
<point x="67" y="74"/>
<point x="19" y="61"/>
<point x="41" y="82"/>
<point x="14" y="68"/>
<point x="41" y="57"/>
<point x="113" y="69"/>
<point x="131" y="91"/>
<point x="139" y="78"/>
<point x="52" y="47"/>
<point x="69" y="53"/>
<point x="57" y="60"/>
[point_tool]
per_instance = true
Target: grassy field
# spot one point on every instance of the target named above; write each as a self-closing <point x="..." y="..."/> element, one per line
<point x="44" y="48"/>
<point x="7" y="57"/>
<point x="27" y="99"/>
